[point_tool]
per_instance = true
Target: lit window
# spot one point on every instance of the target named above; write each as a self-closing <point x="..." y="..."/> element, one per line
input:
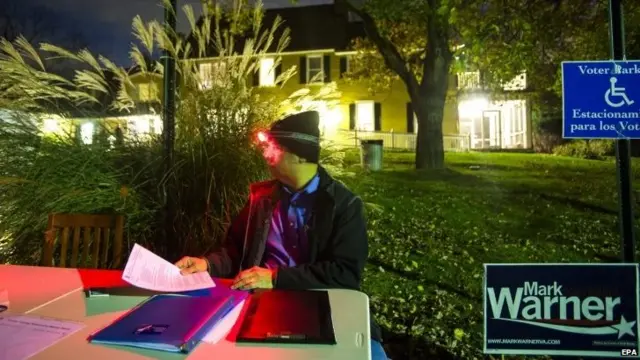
<point x="147" y="92"/>
<point x="315" y="71"/>
<point x="267" y="72"/>
<point x="212" y="74"/>
<point x="140" y="125"/>
<point x="205" y="75"/>
<point x="50" y="126"/>
<point x="86" y="133"/>
<point x="365" y="114"/>
<point x="157" y="125"/>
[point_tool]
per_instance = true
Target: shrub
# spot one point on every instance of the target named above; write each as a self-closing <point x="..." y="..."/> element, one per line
<point x="546" y="121"/>
<point x="545" y="142"/>
<point x="602" y="148"/>
<point x="214" y="157"/>
<point x="41" y="176"/>
<point x="586" y="149"/>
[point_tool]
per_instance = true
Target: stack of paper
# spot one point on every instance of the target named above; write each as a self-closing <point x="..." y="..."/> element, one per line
<point x="224" y="326"/>
<point x="149" y="271"/>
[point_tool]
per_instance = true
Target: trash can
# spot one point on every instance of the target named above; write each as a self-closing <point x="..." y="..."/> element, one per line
<point x="371" y="154"/>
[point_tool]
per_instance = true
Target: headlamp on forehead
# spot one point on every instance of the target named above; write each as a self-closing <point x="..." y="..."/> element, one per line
<point x="262" y="137"/>
<point x="265" y="136"/>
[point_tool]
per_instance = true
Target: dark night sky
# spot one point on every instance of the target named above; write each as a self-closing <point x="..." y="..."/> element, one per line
<point x="105" y="25"/>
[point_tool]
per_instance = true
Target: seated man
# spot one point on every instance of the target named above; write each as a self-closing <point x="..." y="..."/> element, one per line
<point x="303" y="230"/>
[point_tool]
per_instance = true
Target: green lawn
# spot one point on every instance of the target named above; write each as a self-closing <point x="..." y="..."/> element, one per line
<point x="430" y="232"/>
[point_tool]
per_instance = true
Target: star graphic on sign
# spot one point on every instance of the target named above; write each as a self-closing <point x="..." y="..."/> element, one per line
<point x="624" y="327"/>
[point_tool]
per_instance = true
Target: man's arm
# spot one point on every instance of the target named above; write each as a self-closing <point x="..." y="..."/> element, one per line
<point x="225" y="262"/>
<point x="349" y="251"/>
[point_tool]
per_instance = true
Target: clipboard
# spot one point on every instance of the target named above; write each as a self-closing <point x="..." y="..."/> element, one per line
<point x="288" y="316"/>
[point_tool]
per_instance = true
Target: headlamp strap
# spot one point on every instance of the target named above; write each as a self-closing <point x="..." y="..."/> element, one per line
<point x="295" y="136"/>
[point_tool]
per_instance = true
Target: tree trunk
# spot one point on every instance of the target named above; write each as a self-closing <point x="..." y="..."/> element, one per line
<point x="430" y="100"/>
<point x="431" y="94"/>
<point x="429" y="110"/>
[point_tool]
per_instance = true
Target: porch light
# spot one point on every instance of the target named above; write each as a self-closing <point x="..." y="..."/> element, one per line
<point x="472" y="107"/>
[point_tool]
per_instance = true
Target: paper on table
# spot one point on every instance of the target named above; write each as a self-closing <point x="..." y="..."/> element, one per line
<point x="23" y="336"/>
<point x="224" y="326"/>
<point x="149" y="271"/>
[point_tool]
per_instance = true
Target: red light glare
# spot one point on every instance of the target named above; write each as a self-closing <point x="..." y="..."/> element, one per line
<point x="262" y="137"/>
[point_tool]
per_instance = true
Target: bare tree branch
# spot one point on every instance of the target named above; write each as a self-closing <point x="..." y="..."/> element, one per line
<point x="392" y="57"/>
<point x="438" y="47"/>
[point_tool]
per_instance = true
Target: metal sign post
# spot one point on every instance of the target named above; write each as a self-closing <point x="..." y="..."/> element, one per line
<point x="168" y="127"/>
<point x="623" y="146"/>
<point x="601" y="100"/>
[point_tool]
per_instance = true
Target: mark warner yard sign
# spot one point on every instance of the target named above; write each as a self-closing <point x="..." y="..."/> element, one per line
<point x="601" y="99"/>
<point x="562" y="309"/>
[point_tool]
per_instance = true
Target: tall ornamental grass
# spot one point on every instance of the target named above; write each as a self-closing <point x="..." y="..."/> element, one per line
<point x="216" y="115"/>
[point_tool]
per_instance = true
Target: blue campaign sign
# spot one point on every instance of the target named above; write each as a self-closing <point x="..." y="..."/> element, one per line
<point x="561" y="309"/>
<point x="601" y="99"/>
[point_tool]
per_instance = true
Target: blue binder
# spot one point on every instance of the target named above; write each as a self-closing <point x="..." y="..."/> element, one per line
<point x="169" y="322"/>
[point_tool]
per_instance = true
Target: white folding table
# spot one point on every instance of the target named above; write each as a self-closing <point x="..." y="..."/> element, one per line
<point x="59" y="293"/>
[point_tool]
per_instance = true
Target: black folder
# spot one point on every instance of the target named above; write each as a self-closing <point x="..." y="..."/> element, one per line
<point x="288" y="316"/>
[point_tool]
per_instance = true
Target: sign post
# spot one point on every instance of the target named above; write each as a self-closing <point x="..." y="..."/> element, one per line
<point x="623" y="146"/>
<point x="601" y="100"/>
<point x="168" y="127"/>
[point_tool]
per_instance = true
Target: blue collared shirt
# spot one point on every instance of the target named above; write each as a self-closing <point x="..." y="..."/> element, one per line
<point x="287" y="243"/>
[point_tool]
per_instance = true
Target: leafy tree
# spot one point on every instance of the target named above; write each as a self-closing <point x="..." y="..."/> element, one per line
<point x="547" y="34"/>
<point x="414" y="40"/>
<point x="421" y="41"/>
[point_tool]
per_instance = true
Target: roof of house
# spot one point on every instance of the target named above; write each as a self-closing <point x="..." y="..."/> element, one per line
<point x="314" y="27"/>
<point x="311" y="28"/>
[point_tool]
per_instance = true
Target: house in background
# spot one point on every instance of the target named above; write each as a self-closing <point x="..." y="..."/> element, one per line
<point x="93" y="122"/>
<point x="144" y="119"/>
<point x="320" y="49"/>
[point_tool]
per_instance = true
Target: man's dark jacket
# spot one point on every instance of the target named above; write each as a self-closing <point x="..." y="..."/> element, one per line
<point x="336" y="230"/>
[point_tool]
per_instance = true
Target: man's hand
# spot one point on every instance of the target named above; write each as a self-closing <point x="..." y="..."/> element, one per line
<point x="254" y="278"/>
<point x="191" y="265"/>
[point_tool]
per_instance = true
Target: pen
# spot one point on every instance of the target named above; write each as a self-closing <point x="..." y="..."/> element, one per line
<point x="97" y="292"/>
